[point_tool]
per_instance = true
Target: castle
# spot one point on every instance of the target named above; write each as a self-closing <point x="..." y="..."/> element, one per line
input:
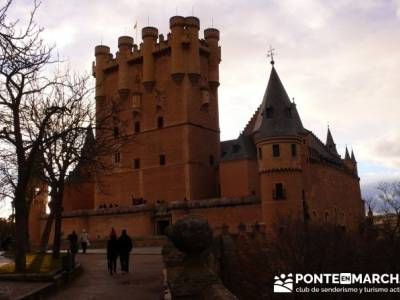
<point x="163" y="94"/>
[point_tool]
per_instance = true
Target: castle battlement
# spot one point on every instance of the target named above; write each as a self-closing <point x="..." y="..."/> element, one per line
<point x="183" y="45"/>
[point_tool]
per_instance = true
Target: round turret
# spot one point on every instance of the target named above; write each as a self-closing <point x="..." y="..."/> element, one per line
<point x="177" y="25"/>
<point x="125" y="41"/>
<point x="176" y="21"/>
<point x="125" y="44"/>
<point x="193" y="66"/>
<point x="101" y="50"/>
<point x="192" y="22"/>
<point x="211" y="33"/>
<point x="149" y="32"/>
<point x="149" y="35"/>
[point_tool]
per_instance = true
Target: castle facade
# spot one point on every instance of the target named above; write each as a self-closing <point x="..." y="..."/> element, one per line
<point x="167" y="159"/>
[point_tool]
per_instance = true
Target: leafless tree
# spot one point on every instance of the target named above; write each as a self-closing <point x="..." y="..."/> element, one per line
<point x="76" y="151"/>
<point x="389" y="196"/>
<point x="60" y="155"/>
<point x="23" y="59"/>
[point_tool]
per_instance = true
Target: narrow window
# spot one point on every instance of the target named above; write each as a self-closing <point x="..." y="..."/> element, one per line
<point x="136" y="163"/>
<point x="162" y="160"/>
<point x="259" y="153"/>
<point x="294" y="150"/>
<point x="279" y="191"/>
<point x="117" y="157"/>
<point x="269" y="112"/>
<point x="276" y="151"/>
<point x="160" y="122"/>
<point x="211" y="160"/>
<point x="289" y="112"/>
<point x="137" y="127"/>
<point x="116" y="131"/>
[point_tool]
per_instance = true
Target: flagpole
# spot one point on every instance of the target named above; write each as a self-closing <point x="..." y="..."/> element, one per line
<point x="135" y="27"/>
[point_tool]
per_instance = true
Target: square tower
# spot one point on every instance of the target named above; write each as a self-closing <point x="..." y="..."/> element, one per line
<point x="158" y="105"/>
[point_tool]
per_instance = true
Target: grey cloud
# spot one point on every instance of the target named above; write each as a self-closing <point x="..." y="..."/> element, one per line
<point x="339" y="59"/>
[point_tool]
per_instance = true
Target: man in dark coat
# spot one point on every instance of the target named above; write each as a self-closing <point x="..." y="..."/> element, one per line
<point x="112" y="253"/>
<point x="124" y="249"/>
<point x="73" y="242"/>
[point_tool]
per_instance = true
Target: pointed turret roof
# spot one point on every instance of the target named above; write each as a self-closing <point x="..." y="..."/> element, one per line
<point x="347" y="156"/>
<point x="353" y="158"/>
<point x="277" y="115"/>
<point x="330" y="143"/>
<point x="87" y="151"/>
<point x="86" y="159"/>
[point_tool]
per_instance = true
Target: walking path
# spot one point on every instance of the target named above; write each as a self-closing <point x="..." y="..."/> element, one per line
<point x="144" y="281"/>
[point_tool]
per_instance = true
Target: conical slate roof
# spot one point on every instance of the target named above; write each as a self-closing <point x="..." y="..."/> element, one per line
<point x="277" y="115"/>
<point x="87" y="151"/>
<point x="353" y="158"/>
<point x="330" y="143"/>
<point x="347" y="156"/>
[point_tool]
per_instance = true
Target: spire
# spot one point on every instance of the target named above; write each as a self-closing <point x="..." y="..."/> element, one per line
<point x="330" y="143"/>
<point x="87" y="151"/>
<point x="353" y="158"/>
<point x="277" y="115"/>
<point x="347" y="156"/>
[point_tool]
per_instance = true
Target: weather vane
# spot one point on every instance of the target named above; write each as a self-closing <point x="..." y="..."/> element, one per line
<point x="271" y="54"/>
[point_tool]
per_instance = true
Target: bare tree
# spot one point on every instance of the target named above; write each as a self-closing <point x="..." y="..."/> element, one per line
<point x="65" y="152"/>
<point x="76" y="149"/>
<point x="23" y="58"/>
<point x="389" y="196"/>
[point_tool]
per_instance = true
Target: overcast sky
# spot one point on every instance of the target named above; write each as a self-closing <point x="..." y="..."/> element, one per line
<point x="339" y="59"/>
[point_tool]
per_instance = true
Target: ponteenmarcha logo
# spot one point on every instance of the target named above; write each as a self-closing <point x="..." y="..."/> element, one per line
<point x="337" y="283"/>
<point x="283" y="283"/>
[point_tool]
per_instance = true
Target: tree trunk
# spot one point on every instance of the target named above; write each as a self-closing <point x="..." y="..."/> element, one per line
<point x="46" y="232"/>
<point x="21" y="226"/>
<point x="57" y="222"/>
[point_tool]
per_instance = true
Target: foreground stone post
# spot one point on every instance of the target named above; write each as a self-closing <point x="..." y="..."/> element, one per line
<point x="192" y="235"/>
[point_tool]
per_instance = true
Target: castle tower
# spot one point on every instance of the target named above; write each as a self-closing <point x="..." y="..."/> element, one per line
<point x="39" y="196"/>
<point x="163" y="96"/>
<point x="278" y="137"/>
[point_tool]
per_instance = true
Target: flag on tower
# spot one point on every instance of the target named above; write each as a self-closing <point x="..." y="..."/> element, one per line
<point x="134" y="27"/>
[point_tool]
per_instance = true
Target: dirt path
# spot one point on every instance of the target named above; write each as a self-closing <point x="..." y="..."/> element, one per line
<point x="144" y="282"/>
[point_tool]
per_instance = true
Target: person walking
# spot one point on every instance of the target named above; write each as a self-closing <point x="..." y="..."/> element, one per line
<point x="84" y="240"/>
<point x="73" y="242"/>
<point x="112" y="252"/>
<point x="124" y="249"/>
